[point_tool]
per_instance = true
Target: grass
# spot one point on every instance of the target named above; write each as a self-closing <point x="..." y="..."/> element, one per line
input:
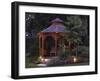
<point x="29" y="61"/>
<point x="30" y="65"/>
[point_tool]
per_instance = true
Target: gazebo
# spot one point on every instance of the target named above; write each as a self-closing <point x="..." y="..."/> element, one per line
<point x="51" y="38"/>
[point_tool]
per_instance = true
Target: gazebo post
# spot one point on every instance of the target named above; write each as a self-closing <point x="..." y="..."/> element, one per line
<point x="55" y="45"/>
<point x="43" y="45"/>
<point x="39" y="45"/>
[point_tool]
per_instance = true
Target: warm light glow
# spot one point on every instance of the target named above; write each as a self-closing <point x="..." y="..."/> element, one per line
<point x="43" y="59"/>
<point x="56" y="32"/>
<point x="46" y="60"/>
<point x="40" y="57"/>
<point x="75" y="59"/>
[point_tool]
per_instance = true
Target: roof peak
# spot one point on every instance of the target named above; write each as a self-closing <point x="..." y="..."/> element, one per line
<point x="57" y="20"/>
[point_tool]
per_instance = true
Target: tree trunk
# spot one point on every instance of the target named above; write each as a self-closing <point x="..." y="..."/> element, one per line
<point x="77" y="49"/>
<point x="70" y="48"/>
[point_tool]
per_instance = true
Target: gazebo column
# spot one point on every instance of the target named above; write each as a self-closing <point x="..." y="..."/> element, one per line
<point x="55" y="45"/>
<point x="40" y="45"/>
<point x="43" y="38"/>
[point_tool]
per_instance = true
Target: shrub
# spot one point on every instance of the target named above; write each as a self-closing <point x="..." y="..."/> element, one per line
<point x="63" y="55"/>
<point x="83" y="50"/>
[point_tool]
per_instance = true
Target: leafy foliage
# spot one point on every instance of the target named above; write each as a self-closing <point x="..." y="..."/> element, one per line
<point x="73" y="22"/>
<point x="64" y="55"/>
<point x="83" y="49"/>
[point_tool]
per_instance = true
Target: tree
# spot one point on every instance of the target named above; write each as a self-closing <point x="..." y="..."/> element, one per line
<point x="73" y="24"/>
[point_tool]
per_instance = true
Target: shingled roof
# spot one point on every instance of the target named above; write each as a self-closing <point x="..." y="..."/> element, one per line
<point x="56" y="27"/>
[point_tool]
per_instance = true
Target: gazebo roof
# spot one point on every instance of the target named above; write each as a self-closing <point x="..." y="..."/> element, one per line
<point x="56" y="27"/>
<point x="57" y="20"/>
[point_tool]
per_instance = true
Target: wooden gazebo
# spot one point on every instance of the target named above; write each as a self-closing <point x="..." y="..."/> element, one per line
<point x="51" y="38"/>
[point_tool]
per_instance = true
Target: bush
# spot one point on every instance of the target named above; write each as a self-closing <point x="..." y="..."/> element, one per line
<point x="64" y="55"/>
<point x="83" y="50"/>
<point x="84" y="53"/>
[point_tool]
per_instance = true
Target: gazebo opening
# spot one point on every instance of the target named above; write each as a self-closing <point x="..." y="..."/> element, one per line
<point x="49" y="46"/>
